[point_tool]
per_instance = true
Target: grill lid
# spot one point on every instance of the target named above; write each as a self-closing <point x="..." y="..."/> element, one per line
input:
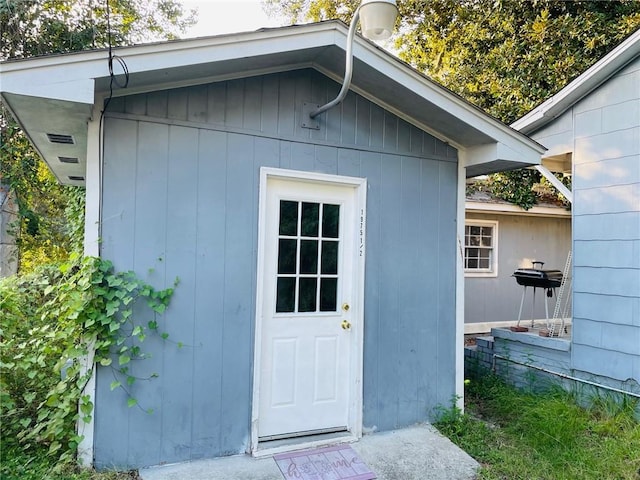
<point x="537" y="277"/>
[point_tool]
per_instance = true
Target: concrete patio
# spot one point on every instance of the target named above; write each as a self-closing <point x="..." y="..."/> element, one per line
<point x="414" y="453"/>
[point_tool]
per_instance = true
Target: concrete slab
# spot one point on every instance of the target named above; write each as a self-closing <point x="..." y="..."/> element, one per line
<point x="414" y="453"/>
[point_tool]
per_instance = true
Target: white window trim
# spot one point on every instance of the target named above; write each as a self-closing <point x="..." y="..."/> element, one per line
<point x="494" y="257"/>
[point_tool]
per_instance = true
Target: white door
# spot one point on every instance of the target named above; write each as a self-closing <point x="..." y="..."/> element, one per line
<point x="307" y="348"/>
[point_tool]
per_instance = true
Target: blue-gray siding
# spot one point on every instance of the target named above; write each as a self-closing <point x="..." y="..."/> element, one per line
<point x="603" y="132"/>
<point x="180" y="199"/>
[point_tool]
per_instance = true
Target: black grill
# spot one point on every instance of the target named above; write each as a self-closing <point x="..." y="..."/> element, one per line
<point x="536" y="277"/>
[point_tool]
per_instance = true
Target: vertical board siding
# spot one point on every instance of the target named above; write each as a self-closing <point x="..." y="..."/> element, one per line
<point x="272" y="105"/>
<point x="211" y="187"/>
<point x="181" y="202"/>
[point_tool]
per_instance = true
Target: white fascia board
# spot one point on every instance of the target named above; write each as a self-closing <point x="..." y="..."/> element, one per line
<point x="54" y="76"/>
<point x="74" y="91"/>
<point x="592" y="78"/>
<point x="500" y="151"/>
<point x="509" y="209"/>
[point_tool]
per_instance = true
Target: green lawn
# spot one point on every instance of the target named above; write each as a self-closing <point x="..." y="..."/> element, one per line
<point x="516" y="435"/>
<point x="18" y="464"/>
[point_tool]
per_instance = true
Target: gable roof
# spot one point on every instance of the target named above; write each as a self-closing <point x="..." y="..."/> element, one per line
<point x="56" y="94"/>
<point x="582" y="86"/>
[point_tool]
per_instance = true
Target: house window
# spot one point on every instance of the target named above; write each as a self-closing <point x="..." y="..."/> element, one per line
<point x="480" y="248"/>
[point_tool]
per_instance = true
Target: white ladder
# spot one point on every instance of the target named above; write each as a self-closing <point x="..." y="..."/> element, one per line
<point x="561" y="310"/>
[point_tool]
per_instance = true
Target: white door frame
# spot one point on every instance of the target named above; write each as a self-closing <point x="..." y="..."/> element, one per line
<point x="357" y="304"/>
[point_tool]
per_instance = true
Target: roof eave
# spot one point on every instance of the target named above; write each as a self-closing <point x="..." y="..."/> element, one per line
<point x="579" y="88"/>
<point x="77" y="81"/>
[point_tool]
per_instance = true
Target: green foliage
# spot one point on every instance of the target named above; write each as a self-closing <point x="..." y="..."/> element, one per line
<point x="505" y="56"/>
<point x="515" y="434"/>
<point x="51" y="215"/>
<point x="35" y="464"/>
<point x="56" y="325"/>
<point x="516" y="187"/>
<point x="35" y="27"/>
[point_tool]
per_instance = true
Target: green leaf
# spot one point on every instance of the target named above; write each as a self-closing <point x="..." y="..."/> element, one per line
<point x="105" y="362"/>
<point x="160" y="308"/>
<point x="131" y="402"/>
<point x="115" y="384"/>
<point x="124" y="359"/>
<point x="130" y="380"/>
<point x="164" y="335"/>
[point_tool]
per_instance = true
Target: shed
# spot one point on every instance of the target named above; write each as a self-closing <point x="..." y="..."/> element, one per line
<point x="321" y="283"/>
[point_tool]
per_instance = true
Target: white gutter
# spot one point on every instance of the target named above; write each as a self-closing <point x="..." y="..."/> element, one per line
<point x="581" y="86"/>
<point x="510" y="209"/>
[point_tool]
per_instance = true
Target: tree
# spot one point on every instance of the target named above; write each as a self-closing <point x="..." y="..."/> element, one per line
<point x="51" y="221"/>
<point x="505" y="56"/>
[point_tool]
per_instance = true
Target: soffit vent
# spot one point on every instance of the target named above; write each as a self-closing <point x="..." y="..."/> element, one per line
<point x="76" y="178"/>
<point x="60" y="138"/>
<point x="68" y="160"/>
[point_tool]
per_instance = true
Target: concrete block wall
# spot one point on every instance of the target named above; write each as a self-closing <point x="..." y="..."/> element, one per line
<point x="513" y="353"/>
<point x="516" y="353"/>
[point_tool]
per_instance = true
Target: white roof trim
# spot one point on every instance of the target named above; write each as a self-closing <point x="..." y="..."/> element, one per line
<point x="510" y="209"/>
<point x="77" y="79"/>
<point x="581" y="86"/>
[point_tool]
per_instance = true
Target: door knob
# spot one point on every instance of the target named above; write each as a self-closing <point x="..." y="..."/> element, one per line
<point x="346" y="325"/>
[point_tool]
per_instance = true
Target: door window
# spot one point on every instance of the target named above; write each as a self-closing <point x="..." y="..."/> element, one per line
<point x="308" y="246"/>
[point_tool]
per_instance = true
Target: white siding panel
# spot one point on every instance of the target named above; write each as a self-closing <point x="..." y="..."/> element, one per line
<point x="611" y="281"/>
<point x="621" y="88"/>
<point x="618" y="198"/>
<point x="612" y="254"/>
<point x="605" y="173"/>
<point x="588" y="123"/>
<point x="621" y="116"/>
<point x="606" y="308"/>
<point x="621" y="143"/>
<point x="608" y="363"/>
<point x="607" y="226"/>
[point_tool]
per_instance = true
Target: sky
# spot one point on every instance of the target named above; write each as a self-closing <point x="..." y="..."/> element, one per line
<point x="227" y="16"/>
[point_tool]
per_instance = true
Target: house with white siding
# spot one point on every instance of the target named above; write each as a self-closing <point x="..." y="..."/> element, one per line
<point x="594" y="122"/>
<point x="321" y="289"/>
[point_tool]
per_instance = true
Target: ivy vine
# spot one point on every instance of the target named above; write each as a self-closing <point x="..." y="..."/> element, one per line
<point x="85" y="318"/>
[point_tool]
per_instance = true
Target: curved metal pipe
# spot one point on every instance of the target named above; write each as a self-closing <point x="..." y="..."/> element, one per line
<point x="348" y="69"/>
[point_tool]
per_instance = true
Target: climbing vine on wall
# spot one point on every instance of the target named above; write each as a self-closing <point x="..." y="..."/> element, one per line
<point x="71" y="320"/>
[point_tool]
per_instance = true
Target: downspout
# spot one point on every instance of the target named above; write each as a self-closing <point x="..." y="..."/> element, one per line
<point x="553" y="180"/>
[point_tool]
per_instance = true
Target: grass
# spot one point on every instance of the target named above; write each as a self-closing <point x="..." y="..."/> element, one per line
<point x="518" y="435"/>
<point x="18" y="464"/>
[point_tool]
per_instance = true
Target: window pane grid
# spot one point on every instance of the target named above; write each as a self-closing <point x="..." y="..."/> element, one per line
<point x="478" y="253"/>
<point x="307" y="257"/>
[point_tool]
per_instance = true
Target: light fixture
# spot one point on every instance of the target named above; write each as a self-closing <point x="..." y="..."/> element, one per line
<point x="377" y="18"/>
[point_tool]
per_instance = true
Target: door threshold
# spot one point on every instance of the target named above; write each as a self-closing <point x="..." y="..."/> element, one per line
<point x="273" y="447"/>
